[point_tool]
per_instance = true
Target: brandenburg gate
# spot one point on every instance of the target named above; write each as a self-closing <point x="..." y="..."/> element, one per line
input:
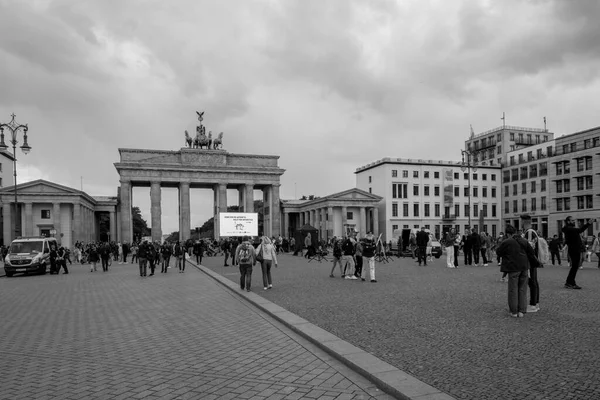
<point x="190" y="168"/>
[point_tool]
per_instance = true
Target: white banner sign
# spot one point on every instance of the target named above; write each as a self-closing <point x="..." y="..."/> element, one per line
<point x="238" y="224"/>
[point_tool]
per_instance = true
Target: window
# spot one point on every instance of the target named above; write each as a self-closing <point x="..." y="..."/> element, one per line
<point x="524" y="188"/>
<point x="416" y="210"/>
<point x="533" y="171"/>
<point x="515" y="189"/>
<point x="436" y="174"/>
<point x="493" y="192"/>
<point x="588" y="163"/>
<point x="506" y="209"/>
<point x="596" y="141"/>
<point x="426" y="174"/>
<point x="514" y="174"/>
<point x="466" y="176"/>
<point x="426" y="210"/>
<point x="567" y="167"/>
<point x="436" y="208"/>
<point x="45" y="214"/>
<point x="559" y="186"/>
<point x="466" y="210"/>
<point x="436" y="191"/>
<point x="506" y="177"/>
<point x="399" y="190"/>
<point x="415" y="190"/>
<point x="474" y="177"/>
<point x="579" y="164"/>
<point x="567" y="185"/>
<point x="521" y="159"/>
<point x="476" y="210"/>
<point x="515" y="206"/>
<point x="484" y="192"/>
<point x="499" y="137"/>
<point x="588" y="182"/>
<point x="506" y="191"/>
<point x="573" y="147"/>
<point x="533" y="186"/>
<point x="587" y="143"/>
<point x="493" y="210"/>
<point x="475" y="190"/>
<point x="405" y="174"/>
<point x="466" y="191"/>
<point x="415" y="174"/>
<point x="484" y="210"/>
<point x="405" y="210"/>
<point x="543" y="169"/>
<point x="559" y="204"/>
<point x="512" y="160"/>
<point x="579" y="180"/>
<point x="426" y="190"/>
<point x="456" y="175"/>
<point x="523" y="172"/>
<point x="456" y="210"/>
<point x="394" y="209"/>
<point x="484" y="177"/>
<point x="589" y="201"/>
<point x="533" y="204"/>
<point x="394" y="173"/>
<point x="580" y="203"/>
<point x="565" y="148"/>
<point x="512" y="136"/>
<point x="537" y="139"/>
<point x="456" y="191"/>
<point x="543" y="185"/>
<point x="567" y="204"/>
<point x="394" y="227"/>
<point x="524" y="205"/>
<point x="559" y="168"/>
<point x="370" y="180"/>
<point x="349" y="215"/>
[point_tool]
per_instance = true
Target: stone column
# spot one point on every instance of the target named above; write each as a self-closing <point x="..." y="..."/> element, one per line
<point x="317" y="223"/>
<point x="323" y="219"/>
<point x="344" y="219"/>
<point x="376" y="221"/>
<point x="286" y="224"/>
<point x="56" y="220"/>
<point x="113" y="225"/>
<point x="276" y="210"/>
<point x="268" y="201"/>
<point x="28" y="219"/>
<point x="249" y="208"/>
<point x="155" y="211"/>
<point x="125" y="202"/>
<point x="330" y="221"/>
<point x="7" y="228"/>
<point x="241" y="198"/>
<point x="363" y="222"/>
<point x="184" y="211"/>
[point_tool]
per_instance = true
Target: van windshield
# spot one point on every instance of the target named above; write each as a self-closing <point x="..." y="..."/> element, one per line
<point x="26" y="247"/>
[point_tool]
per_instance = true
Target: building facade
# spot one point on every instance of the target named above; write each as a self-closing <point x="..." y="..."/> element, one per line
<point x="436" y="195"/>
<point x="6" y="169"/>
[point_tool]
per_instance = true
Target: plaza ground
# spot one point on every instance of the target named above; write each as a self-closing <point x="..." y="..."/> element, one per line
<point x="116" y="335"/>
<point x="450" y="327"/>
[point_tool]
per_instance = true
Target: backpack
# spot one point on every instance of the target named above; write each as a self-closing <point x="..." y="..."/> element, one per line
<point x="369" y="248"/>
<point x="245" y="256"/>
<point x="543" y="251"/>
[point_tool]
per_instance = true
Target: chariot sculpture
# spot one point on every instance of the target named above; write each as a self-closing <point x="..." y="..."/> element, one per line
<point x="202" y="140"/>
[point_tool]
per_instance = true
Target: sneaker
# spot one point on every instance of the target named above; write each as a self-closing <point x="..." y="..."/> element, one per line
<point x="265" y="288"/>
<point x="373" y="281"/>
<point x="450" y="266"/>
<point x="347" y="277"/>
<point x="353" y="278"/>
<point x="485" y="265"/>
<point x="363" y="279"/>
<point x="514" y="315"/>
<point x="521" y="315"/>
<point x="532" y="309"/>
<point x="331" y="276"/>
<point x="569" y="286"/>
<point x="502" y="279"/>
<point x="248" y="290"/>
<point x="270" y="286"/>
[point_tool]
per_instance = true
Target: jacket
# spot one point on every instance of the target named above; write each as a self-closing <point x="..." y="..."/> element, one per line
<point x="514" y="256"/>
<point x="268" y="252"/>
<point x="422" y="238"/>
<point x="572" y="238"/>
<point x="252" y="253"/>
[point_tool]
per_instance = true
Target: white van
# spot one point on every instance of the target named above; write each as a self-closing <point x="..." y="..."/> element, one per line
<point x="27" y="255"/>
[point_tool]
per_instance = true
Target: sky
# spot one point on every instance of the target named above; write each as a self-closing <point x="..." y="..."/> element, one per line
<point x="327" y="85"/>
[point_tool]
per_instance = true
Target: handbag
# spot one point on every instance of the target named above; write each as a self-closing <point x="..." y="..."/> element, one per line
<point x="259" y="256"/>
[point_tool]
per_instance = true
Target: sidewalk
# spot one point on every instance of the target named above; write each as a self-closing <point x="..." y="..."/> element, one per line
<point x="116" y="335"/>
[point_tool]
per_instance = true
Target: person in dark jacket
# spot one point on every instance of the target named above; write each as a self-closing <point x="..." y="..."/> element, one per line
<point x="573" y="242"/>
<point x="555" y="247"/>
<point x="61" y="261"/>
<point x="467" y="247"/>
<point x="475" y="246"/>
<point x="166" y="257"/>
<point x="513" y="251"/>
<point x="143" y="251"/>
<point x="105" y="253"/>
<point x="53" y="257"/>
<point x="422" y="240"/>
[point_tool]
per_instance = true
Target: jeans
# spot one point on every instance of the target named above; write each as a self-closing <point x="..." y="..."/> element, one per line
<point x="265" y="266"/>
<point x="337" y="260"/>
<point x="245" y="276"/>
<point x="422" y="254"/>
<point x="555" y="254"/>
<point x="143" y="265"/>
<point x="455" y="256"/>
<point x="349" y="267"/>
<point x="484" y="255"/>
<point x="165" y="264"/>
<point x="534" y="287"/>
<point x="468" y="255"/>
<point x="450" y="256"/>
<point x="226" y="257"/>
<point x="476" y="251"/>
<point x="359" y="265"/>
<point x="517" y="292"/>
<point x="575" y="261"/>
<point x="371" y="261"/>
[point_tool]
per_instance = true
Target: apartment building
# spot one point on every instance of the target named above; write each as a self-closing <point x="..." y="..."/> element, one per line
<point x="432" y="194"/>
<point x="574" y="184"/>
<point x="525" y="192"/>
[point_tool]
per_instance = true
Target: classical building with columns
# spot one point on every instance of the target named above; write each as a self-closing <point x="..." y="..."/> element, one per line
<point x="44" y="207"/>
<point x="334" y="215"/>
<point x="186" y="169"/>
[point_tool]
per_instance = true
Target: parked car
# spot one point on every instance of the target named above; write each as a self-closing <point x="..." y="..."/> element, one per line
<point x="28" y="255"/>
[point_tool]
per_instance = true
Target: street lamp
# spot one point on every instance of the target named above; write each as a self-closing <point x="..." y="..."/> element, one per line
<point x="467" y="166"/>
<point x="14" y="128"/>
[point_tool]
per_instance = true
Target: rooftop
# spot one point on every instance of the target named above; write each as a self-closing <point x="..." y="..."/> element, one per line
<point x="389" y="160"/>
<point x="511" y="128"/>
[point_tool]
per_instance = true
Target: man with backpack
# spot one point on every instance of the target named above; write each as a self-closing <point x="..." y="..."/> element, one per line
<point x="369" y="246"/>
<point x="348" y="258"/>
<point x="245" y="257"/>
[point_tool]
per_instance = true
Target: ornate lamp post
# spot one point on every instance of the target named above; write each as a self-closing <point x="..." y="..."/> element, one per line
<point x="467" y="165"/>
<point x="14" y="128"/>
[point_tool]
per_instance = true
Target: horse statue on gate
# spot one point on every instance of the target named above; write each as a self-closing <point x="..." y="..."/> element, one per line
<point x="188" y="139"/>
<point x="202" y="140"/>
<point x="218" y="142"/>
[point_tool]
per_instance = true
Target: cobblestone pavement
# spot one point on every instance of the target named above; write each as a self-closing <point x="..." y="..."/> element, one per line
<point x="450" y="327"/>
<point x="117" y="336"/>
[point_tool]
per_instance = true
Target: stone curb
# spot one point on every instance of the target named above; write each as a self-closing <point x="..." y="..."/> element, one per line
<point x="387" y="377"/>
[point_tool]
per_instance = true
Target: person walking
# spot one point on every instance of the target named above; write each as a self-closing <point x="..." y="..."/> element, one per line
<point x="226" y="247"/>
<point x="534" y="263"/>
<point x="515" y="263"/>
<point x="245" y="257"/>
<point x="467" y="247"/>
<point x="93" y="258"/>
<point x="307" y="244"/>
<point x="359" y="259"/>
<point x="457" y="242"/>
<point x="348" y="250"/>
<point x="369" y="246"/>
<point x="178" y="254"/>
<point x="267" y="257"/>
<point x="449" y="246"/>
<point x="573" y="243"/>
<point x="475" y="246"/>
<point x="337" y="257"/>
<point x="422" y="240"/>
<point x="61" y="260"/>
<point x="555" y="248"/>
<point x="105" y="255"/>
<point x="485" y="246"/>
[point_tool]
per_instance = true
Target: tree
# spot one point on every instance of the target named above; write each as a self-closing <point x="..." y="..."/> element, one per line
<point x="140" y="226"/>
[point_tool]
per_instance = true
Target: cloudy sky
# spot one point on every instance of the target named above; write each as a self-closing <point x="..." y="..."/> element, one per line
<point x="328" y="85"/>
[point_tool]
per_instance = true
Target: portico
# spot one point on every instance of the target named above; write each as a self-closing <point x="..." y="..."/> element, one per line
<point x="187" y="169"/>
